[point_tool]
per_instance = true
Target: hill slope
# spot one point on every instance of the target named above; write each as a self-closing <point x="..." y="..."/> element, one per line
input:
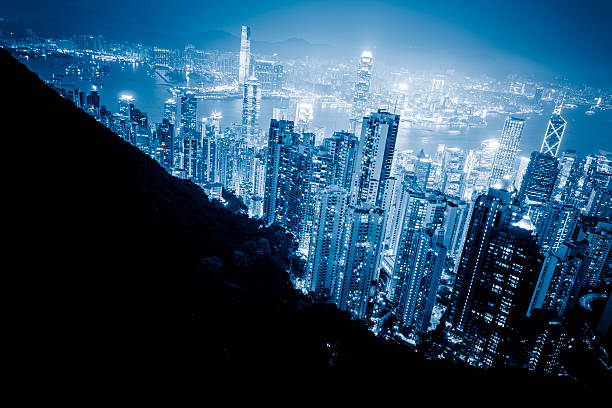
<point x="123" y="268"/>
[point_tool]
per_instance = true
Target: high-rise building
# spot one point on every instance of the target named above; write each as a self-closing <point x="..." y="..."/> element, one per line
<point x="324" y="266"/>
<point x="374" y="157"/>
<point x="189" y="123"/>
<point x="503" y="162"/>
<point x="554" y="134"/>
<point x="343" y="147"/>
<point x="419" y="260"/>
<point x="422" y="171"/>
<point x="479" y="164"/>
<point x="539" y="179"/>
<point x="165" y="141"/>
<point x="453" y="171"/>
<point x="598" y="263"/>
<point x="250" y="108"/>
<point x="557" y="278"/>
<point x="499" y="266"/>
<point x="244" y="69"/>
<point x="362" y="86"/>
<point x="125" y="105"/>
<point x="361" y="252"/>
<point x="555" y="224"/>
<point x="280" y="138"/>
<point x="396" y="214"/>
<point x="170" y="111"/>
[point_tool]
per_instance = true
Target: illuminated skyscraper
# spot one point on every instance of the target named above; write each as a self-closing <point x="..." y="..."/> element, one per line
<point x="374" y="158"/>
<point x="499" y="267"/>
<point x="557" y="278"/>
<point x="554" y="134"/>
<point x="165" y="141"/>
<point x="419" y="260"/>
<point x="362" y="86"/>
<point x="360" y="257"/>
<point x="170" y="111"/>
<point x="250" y="108"/>
<point x="598" y="264"/>
<point x="280" y="138"/>
<point x="125" y="105"/>
<point x="189" y="106"/>
<point x="245" y="56"/>
<point x="324" y="266"/>
<point x="342" y="146"/>
<point x="539" y="179"/>
<point x="503" y="162"/>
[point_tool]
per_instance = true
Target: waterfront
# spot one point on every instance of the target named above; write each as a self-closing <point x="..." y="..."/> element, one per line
<point x="150" y="92"/>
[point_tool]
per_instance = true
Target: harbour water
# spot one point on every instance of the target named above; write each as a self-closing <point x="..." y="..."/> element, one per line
<point x="584" y="133"/>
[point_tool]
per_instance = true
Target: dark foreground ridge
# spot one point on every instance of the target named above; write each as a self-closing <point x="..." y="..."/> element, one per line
<point x="132" y="274"/>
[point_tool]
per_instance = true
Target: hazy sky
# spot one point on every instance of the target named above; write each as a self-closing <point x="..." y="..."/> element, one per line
<point x="572" y="38"/>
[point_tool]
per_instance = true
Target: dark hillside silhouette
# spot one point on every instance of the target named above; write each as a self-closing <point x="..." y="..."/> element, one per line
<point x="128" y="273"/>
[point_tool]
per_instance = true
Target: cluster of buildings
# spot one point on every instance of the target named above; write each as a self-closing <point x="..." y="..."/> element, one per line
<point x="503" y="248"/>
<point x="379" y="235"/>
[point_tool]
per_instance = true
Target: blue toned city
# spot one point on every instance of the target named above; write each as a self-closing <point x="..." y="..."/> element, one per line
<point x="399" y="195"/>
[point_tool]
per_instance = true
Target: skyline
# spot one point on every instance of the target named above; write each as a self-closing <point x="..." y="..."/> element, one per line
<point x="440" y="206"/>
<point x="569" y="40"/>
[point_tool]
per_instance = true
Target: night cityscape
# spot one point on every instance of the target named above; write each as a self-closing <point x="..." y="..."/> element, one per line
<point x="430" y="205"/>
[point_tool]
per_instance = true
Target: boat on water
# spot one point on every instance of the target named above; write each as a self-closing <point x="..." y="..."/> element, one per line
<point x="589" y="112"/>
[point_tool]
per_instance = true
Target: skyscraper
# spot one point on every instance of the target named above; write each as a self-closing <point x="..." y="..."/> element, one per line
<point x="324" y="266"/>
<point x="557" y="278"/>
<point x="250" y="108"/>
<point x="280" y="137"/>
<point x="498" y="269"/>
<point x="360" y="257"/>
<point x="362" y="86"/>
<point x="125" y="105"/>
<point x="539" y="180"/>
<point x="505" y="155"/>
<point x="374" y="158"/>
<point x="189" y="106"/>
<point x="170" y="111"/>
<point x="554" y="134"/>
<point x="343" y="147"/>
<point x="165" y="141"/>
<point x="244" y="69"/>
<point x="419" y="260"/>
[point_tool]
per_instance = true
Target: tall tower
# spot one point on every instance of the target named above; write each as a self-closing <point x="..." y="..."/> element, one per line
<point x="418" y="262"/>
<point x="374" y="157"/>
<point x="245" y="55"/>
<point x="554" y="133"/>
<point x="324" y="264"/>
<point x="503" y="161"/>
<point x="362" y="86"/>
<point x="170" y="111"/>
<point x="496" y="277"/>
<point x="250" y="107"/>
<point x="360" y="257"/>
<point x="280" y="137"/>
<point x="188" y="114"/>
<point x="342" y="146"/>
<point x="539" y="179"/>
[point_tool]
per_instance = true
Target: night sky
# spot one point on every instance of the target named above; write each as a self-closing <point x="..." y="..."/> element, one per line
<point x="569" y="38"/>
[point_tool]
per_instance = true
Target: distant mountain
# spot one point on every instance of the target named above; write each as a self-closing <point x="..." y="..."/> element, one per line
<point x="127" y="275"/>
<point x="290" y="48"/>
<point x="297" y="48"/>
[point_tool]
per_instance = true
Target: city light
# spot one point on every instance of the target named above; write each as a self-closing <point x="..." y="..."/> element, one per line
<point x="461" y="211"/>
